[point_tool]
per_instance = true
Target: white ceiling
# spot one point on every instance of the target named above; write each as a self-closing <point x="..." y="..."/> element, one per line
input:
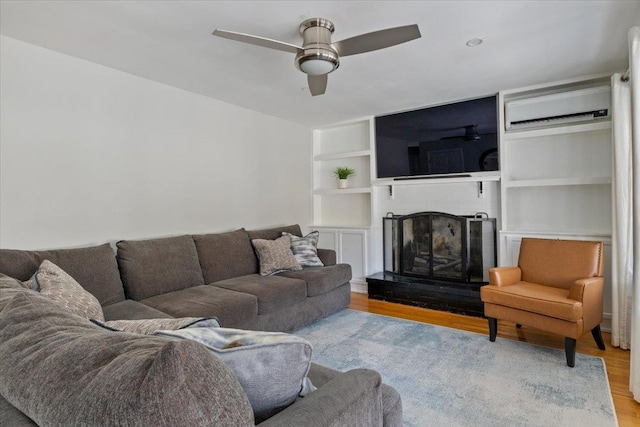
<point x="525" y="42"/>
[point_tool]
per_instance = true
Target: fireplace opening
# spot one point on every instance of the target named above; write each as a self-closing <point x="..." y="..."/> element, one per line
<point x="436" y="260"/>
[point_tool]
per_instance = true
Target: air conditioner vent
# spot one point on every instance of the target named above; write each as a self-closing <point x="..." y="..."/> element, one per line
<point x="558" y="108"/>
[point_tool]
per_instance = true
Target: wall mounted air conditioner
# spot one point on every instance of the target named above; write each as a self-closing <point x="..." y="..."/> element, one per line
<point x="566" y="107"/>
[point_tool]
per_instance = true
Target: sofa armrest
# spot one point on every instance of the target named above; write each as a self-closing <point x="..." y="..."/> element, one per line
<point x="327" y="256"/>
<point x="353" y="398"/>
<point x="504" y="276"/>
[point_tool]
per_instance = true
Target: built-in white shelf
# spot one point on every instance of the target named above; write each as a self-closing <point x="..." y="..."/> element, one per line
<point x="474" y="178"/>
<point x="606" y="237"/>
<point x="558" y="130"/>
<point x="345" y="155"/>
<point x="558" y="182"/>
<point x="361" y="190"/>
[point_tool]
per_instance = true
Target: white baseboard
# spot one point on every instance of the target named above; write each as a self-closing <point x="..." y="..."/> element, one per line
<point x="605" y="326"/>
<point x="359" y="286"/>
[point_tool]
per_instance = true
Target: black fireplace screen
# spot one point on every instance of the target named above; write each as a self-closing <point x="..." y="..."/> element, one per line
<point x="440" y="245"/>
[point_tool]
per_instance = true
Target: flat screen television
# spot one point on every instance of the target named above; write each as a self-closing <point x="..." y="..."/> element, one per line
<point x="452" y="139"/>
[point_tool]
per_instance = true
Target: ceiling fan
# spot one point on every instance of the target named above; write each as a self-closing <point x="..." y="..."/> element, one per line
<point x="470" y="133"/>
<point x="317" y="57"/>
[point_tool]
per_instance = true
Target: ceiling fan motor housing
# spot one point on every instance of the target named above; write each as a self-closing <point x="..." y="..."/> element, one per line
<point x="318" y="57"/>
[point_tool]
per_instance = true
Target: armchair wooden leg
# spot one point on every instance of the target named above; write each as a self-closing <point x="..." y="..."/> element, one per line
<point x="597" y="336"/>
<point x="493" y="328"/>
<point x="570" y="351"/>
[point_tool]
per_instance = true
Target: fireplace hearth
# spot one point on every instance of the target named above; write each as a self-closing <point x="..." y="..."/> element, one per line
<point x="436" y="260"/>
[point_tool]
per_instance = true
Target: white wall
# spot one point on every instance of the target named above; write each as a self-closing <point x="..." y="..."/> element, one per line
<point x="89" y="154"/>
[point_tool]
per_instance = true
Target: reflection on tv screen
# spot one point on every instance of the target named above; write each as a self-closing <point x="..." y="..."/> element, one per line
<point x="457" y="138"/>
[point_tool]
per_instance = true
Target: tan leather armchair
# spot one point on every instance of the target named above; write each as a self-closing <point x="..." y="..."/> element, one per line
<point x="556" y="287"/>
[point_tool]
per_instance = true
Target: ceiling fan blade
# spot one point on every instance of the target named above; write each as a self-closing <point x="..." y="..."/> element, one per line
<point x="258" y="41"/>
<point x="377" y="40"/>
<point x="317" y="84"/>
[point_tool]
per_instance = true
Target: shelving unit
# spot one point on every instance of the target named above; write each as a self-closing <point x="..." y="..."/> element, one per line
<point x="556" y="180"/>
<point x="343" y="145"/>
<point x="343" y="216"/>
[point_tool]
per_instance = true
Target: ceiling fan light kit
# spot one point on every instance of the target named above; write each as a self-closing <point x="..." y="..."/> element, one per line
<point x="318" y="56"/>
<point x="317" y="61"/>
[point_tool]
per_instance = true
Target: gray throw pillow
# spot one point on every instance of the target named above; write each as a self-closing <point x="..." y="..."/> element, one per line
<point x="54" y="283"/>
<point x="305" y="249"/>
<point x="62" y="370"/>
<point x="275" y="255"/>
<point x="272" y="367"/>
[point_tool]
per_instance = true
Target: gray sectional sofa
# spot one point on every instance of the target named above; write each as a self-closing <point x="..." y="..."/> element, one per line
<point x="185" y="276"/>
<point x="197" y="276"/>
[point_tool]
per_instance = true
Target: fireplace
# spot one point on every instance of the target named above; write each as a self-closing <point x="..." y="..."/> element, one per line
<point x="436" y="260"/>
<point x="440" y="246"/>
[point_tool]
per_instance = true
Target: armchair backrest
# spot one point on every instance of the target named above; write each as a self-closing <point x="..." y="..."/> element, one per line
<point x="559" y="263"/>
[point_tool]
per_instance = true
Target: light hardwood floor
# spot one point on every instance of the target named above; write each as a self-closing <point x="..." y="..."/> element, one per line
<point x="616" y="360"/>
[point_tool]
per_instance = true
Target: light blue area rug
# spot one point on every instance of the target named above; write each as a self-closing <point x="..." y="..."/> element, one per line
<point x="448" y="377"/>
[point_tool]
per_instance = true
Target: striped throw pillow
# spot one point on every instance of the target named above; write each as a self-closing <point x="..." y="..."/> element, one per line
<point x="305" y="249"/>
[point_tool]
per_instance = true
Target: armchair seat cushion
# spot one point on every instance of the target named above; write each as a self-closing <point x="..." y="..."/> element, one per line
<point x="535" y="298"/>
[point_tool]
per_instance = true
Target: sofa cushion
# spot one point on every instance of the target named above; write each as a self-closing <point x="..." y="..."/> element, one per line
<point x="10" y="287"/>
<point x="54" y="283"/>
<point x="11" y="416"/>
<point x="132" y="310"/>
<point x="321" y="280"/>
<point x="157" y="266"/>
<point x="327" y="256"/>
<point x="233" y="309"/>
<point x="305" y="249"/>
<point x="95" y="268"/>
<point x="60" y="369"/>
<point x="272" y="367"/>
<point x="225" y="255"/>
<point x="275" y="255"/>
<point x="7" y="282"/>
<point x="150" y="326"/>
<point x="273" y="292"/>
<point x="391" y="400"/>
<point x="274" y="233"/>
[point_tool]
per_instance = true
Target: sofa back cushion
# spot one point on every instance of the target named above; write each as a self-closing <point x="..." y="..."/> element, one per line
<point x="94" y="268"/>
<point x="60" y="369"/>
<point x="157" y="266"/>
<point x="274" y="233"/>
<point x="225" y="255"/>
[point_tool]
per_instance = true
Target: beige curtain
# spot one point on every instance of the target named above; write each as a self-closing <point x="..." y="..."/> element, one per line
<point x="622" y="244"/>
<point x="626" y="209"/>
